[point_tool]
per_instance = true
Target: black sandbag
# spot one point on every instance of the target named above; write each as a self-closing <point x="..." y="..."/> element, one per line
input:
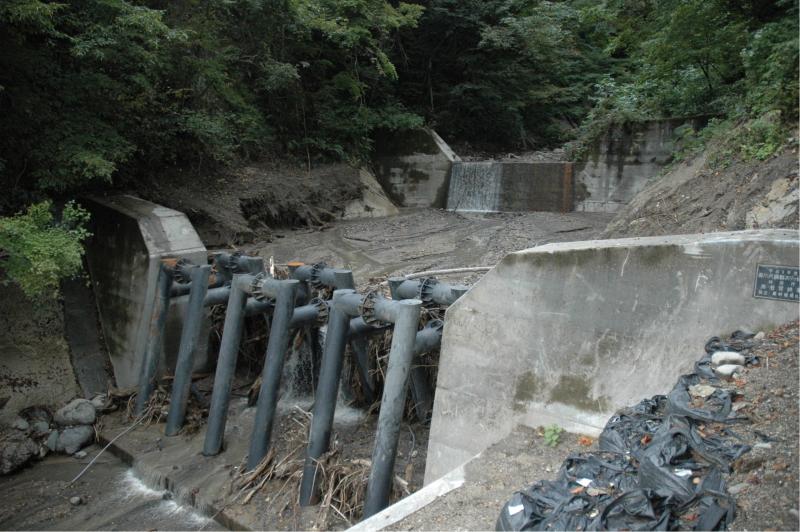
<point x="660" y="465"/>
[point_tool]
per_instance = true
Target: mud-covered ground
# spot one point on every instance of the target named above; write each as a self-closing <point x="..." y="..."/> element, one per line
<point x="426" y="239"/>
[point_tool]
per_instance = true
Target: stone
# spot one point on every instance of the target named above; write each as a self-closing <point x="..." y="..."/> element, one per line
<point x="52" y="441"/>
<point x="76" y="412"/>
<point x="76" y="501"/>
<point x="80" y="454"/>
<point x="728" y="370"/>
<point x="40" y="428"/>
<point x="20" y="424"/>
<point x="721" y="358"/>
<point x="737" y="488"/>
<point x="701" y="390"/>
<point x="16" y="449"/>
<point x="759" y="335"/>
<point x="72" y="439"/>
<point x="99" y="401"/>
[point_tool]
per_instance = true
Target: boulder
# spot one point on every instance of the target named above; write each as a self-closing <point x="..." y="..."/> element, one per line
<point x="20" y="424"/>
<point x="73" y="439"/>
<point x="76" y="412"/>
<point x="16" y="449"/>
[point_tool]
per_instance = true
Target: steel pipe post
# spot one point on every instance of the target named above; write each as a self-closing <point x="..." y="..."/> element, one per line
<point x="189" y="337"/>
<point x="325" y="396"/>
<point x="284" y="293"/>
<point x="155" y="335"/>
<point x="428" y="339"/>
<point x="395" y="388"/>
<point x="226" y="363"/>
<point x="428" y="289"/>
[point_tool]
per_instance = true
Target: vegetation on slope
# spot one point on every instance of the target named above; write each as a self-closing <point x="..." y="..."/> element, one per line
<point x="97" y="93"/>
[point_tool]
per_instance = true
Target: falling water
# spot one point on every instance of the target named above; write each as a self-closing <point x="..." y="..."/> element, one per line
<point x="474" y="187"/>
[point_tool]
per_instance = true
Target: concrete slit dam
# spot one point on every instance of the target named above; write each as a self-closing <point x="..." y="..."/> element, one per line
<point x="565" y="333"/>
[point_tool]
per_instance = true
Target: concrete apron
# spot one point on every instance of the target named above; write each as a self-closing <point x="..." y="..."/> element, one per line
<point x="178" y="465"/>
<point x="568" y="333"/>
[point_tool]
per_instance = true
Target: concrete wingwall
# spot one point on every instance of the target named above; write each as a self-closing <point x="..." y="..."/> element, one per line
<point x="622" y="162"/>
<point x="413" y="167"/>
<point x="567" y="333"/>
<point x="130" y="236"/>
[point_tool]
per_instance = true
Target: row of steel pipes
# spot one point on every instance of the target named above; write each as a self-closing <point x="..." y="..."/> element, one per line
<point x="239" y="282"/>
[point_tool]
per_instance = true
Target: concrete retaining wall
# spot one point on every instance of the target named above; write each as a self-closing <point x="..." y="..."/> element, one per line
<point x="567" y="333"/>
<point x="414" y="167"/>
<point x="130" y="237"/>
<point x="623" y="161"/>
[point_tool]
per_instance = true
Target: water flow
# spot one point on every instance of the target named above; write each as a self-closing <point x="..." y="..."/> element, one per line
<point x="474" y="187"/>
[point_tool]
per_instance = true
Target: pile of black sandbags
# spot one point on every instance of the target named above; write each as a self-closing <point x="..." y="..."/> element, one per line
<point x="660" y="466"/>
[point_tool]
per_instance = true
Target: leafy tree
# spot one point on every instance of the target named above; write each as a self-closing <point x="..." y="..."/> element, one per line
<point x="37" y="252"/>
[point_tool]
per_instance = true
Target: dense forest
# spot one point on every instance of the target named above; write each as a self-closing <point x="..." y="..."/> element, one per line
<point x="94" y="93"/>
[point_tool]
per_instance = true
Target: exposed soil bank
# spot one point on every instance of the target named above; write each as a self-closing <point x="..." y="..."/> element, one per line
<point x="699" y="197"/>
<point x="233" y="207"/>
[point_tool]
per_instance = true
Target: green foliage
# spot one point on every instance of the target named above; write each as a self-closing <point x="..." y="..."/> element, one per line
<point x="696" y="57"/>
<point x="500" y="73"/>
<point x="37" y="252"/>
<point x="771" y="65"/>
<point x="552" y="435"/>
<point x="94" y="93"/>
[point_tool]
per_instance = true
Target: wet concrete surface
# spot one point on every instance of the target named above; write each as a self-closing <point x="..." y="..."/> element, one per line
<point x="213" y="484"/>
<point x="113" y="498"/>
<point x="426" y="239"/>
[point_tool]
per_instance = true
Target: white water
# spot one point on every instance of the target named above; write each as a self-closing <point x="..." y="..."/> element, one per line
<point x="132" y="490"/>
<point x="474" y="187"/>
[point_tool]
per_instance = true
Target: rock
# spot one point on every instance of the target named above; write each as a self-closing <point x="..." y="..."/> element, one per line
<point x="76" y="501"/>
<point x="52" y="441"/>
<point x="20" y="424"/>
<point x="40" y="428"/>
<point x="16" y="449"/>
<point x="759" y="336"/>
<point x="728" y="370"/>
<point x="72" y="439"/>
<point x="80" y="454"/>
<point x="727" y="357"/>
<point x="76" y="412"/>
<point x="99" y="401"/>
<point x="701" y="390"/>
<point x="737" y="488"/>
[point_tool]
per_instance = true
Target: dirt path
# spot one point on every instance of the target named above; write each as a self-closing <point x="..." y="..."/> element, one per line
<point x="419" y="240"/>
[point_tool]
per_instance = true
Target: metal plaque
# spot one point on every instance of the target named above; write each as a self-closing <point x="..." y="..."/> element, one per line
<point x="781" y="283"/>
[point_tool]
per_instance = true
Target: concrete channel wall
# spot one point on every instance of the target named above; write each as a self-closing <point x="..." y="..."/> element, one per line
<point x="622" y="162"/>
<point x="567" y="333"/>
<point x="130" y="237"/>
<point x="413" y="167"/>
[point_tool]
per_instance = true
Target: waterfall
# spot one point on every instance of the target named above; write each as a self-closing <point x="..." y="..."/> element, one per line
<point x="475" y="187"/>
